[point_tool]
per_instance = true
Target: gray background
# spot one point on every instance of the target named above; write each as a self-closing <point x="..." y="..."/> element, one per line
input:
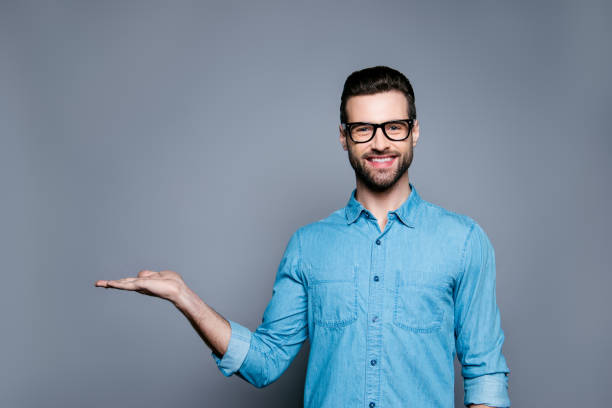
<point x="198" y="137"/>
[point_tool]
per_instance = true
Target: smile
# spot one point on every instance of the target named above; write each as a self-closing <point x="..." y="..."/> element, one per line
<point x="381" y="162"/>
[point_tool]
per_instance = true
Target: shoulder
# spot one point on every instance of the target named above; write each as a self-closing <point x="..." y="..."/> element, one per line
<point x="459" y="230"/>
<point x="434" y="216"/>
<point x="468" y="231"/>
<point x="334" y="222"/>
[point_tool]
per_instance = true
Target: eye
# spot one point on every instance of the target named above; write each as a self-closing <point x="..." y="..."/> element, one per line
<point x="362" y="128"/>
<point x="396" y="127"/>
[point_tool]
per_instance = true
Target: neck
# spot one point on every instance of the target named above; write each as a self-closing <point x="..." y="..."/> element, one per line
<point x="381" y="202"/>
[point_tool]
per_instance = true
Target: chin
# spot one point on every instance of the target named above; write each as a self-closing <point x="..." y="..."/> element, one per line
<point x="379" y="186"/>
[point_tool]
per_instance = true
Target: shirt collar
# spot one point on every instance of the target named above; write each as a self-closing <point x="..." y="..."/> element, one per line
<point x="406" y="213"/>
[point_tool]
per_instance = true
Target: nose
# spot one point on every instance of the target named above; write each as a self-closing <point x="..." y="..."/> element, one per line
<point x="380" y="141"/>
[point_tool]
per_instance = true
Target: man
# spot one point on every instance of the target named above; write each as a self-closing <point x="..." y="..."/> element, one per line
<point x="387" y="289"/>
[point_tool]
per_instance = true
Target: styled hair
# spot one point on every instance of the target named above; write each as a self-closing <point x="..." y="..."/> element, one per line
<point x="373" y="80"/>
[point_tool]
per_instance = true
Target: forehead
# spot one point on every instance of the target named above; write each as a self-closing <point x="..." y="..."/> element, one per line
<point x="379" y="107"/>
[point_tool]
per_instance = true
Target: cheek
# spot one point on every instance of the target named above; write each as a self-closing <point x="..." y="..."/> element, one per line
<point x="354" y="152"/>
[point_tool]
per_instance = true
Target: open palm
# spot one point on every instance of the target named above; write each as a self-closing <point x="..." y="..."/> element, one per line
<point x="163" y="284"/>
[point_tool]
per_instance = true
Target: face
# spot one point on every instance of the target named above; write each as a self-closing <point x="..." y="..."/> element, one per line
<point x="381" y="162"/>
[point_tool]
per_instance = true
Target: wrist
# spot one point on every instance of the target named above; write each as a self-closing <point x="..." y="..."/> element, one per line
<point x="183" y="297"/>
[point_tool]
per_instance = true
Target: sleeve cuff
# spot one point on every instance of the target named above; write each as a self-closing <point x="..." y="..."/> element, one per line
<point x="237" y="349"/>
<point x="490" y="389"/>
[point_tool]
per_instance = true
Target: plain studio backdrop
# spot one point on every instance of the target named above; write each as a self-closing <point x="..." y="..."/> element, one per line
<point x="198" y="136"/>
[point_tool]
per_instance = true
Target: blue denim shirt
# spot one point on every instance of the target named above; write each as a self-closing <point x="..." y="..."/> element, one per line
<point x="385" y="312"/>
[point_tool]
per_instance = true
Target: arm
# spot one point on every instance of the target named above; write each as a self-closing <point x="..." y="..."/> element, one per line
<point x="258" y="357"/>
<point x="478" y="333"/>
<point x="169" y="285"/>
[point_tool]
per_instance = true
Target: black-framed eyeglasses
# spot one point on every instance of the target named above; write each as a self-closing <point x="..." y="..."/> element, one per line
<point x="363" y="132"/>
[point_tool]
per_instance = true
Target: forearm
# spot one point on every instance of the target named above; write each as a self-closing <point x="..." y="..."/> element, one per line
<point x="210" y="325"/>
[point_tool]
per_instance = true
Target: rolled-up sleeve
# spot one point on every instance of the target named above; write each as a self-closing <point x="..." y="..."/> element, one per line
<point x="260" y="357"/>
<point x="478" y="333"/>
<point x="237" y="349"/>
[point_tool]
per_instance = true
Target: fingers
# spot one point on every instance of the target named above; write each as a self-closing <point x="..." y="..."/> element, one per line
<point x="125" y="284"/>
<point x="102" y="283"/>
<point x="145" y="273"/>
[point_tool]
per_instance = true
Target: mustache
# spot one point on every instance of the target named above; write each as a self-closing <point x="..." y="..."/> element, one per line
<point x="377" y="153"/>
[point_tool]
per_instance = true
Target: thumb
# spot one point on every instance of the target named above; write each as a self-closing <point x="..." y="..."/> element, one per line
<point x="146" y="273"/>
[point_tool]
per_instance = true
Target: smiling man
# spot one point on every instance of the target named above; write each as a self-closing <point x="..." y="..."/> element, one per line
<point x="387" y="289"/>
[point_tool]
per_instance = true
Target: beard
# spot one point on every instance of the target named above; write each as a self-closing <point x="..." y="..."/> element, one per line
<point x="375" y="179"/>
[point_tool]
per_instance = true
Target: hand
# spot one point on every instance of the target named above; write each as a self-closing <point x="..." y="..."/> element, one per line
<point x="164" y="284"/>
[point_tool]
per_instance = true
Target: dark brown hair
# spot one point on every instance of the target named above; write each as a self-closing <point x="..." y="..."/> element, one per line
<point x="373" y="80"/>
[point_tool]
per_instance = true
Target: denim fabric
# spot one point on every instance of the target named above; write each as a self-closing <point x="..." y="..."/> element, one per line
<point x="385" y="312"/>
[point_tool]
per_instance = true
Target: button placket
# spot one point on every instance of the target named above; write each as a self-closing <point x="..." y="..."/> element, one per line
<point x="374" y="329"/>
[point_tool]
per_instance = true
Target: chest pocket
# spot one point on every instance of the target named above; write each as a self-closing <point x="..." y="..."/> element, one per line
<point x="333" y="302"/>
<point x="418" y="307"/>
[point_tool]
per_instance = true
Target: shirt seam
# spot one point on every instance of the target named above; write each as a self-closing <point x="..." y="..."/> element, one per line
<point x="464" y="251"/>
<point x="299" y="265"/>
<point x="461" y="273"/>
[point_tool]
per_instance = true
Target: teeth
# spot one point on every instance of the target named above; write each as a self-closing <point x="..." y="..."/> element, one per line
<point x="382" y="160"/>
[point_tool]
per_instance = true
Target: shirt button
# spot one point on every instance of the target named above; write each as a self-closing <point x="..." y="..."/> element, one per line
<point x="376" y="279"/>
<point x="372" y="404"/>
<point x="373" y="362"/>
<point x="374" y="319"/>
<point x="378" y="242"/>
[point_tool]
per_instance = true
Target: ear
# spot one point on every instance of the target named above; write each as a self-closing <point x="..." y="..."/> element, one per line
<point x="415" y="132"/>
<point x="342" y="138"/>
